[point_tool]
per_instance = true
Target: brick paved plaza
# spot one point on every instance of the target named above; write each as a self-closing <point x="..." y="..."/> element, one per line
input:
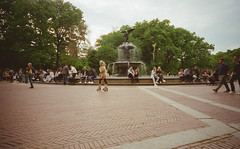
<point x="73" y="117"/>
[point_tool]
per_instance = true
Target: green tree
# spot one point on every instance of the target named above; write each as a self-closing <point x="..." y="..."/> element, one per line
<point x="107" y="46"/>
<point x="228" y="58"/>
<point x="17" y="33"/>
<point x="93" y="59"/>
<point x="174" y="48"/>
<point x="67" y="20"/>
<point x="42" y="32"/>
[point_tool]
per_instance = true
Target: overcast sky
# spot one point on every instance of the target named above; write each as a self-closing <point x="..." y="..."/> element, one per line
<point x="218" y="21"/>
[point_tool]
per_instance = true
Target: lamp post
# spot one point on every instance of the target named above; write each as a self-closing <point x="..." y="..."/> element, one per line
<point x="154" y="49"/>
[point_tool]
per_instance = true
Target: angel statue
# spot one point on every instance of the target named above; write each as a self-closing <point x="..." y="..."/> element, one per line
<point x="126" y="35"/>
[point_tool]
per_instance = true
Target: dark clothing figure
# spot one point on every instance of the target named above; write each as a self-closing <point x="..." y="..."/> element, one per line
<point x="30" y="73"/>
<point x="223" y="70"/>
<point x="136" y="76"/>
<point x="189" y="76"/>
<point x="212" y="80"/>
<point x="131" y="77"/>
<point x="105" y="81"/>
<point x="197" y="73"/>
<point x="93" y="75"/>
<point x="65" y="74"/>
<point x="85" y="74"/>
<point x="37" y="76"/>
<point x="131" y="74"/>
<point x="126" y="34"/>
<point x="233" y="78"/>
<point x="11" y="74"/>
<point x="236" y="75"/>
<point x="159" y="76"/>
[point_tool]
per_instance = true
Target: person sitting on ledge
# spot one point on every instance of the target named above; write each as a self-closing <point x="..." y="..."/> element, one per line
<point x="92" y="76"/>
<point x="181" y="75"/>
<point x="84" y="75"/>
<point x="154" y="75"/>
<point x="159" y="75"/>
<point x="131" y="73"/>
<point x="136" y="74"/>
<point x="205" y="74"/>
<point x="212" y="79"/>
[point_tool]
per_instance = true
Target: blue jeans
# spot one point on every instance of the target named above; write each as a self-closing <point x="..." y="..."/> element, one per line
<point x="30" y="80"/>
<point x="233" y="78"/>
<point x="91" y="78"/>
<point x="64" y="79"/>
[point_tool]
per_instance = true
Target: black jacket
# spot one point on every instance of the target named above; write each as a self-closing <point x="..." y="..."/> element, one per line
<point x="85" y="72"/>
<point x="30" y="70"/>
<point x="237" y="68"/>
<point x="65" y="70"/>
<point x="223" y="69"/>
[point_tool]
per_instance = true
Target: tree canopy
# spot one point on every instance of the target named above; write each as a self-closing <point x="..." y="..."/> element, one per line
<point x="52" y="33"/>
<point x="47" y="33"/>
<point x="175" y="48"/>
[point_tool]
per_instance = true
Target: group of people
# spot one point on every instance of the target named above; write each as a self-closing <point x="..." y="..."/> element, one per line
<point x="221" y="74"/>
<point x="49" y="75"/>
<point x="157" y="76"/>
<point x="133" y="74"/>
<point x="67" y="74"/>
<point x="194" y="75"/>
<point x="71" y="72"/>
<point x="223" y="70"/>
<point x="21" y="76"/>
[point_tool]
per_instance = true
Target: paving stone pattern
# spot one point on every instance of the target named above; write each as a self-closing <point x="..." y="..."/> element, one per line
<point x="57" y="116"/>
<point x="222" y="142"/>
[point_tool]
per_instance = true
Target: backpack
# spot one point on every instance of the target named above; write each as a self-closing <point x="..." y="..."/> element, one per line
<point x="30" y="71"/>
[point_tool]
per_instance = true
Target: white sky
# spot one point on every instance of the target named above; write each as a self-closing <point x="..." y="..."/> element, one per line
<point x="218" y="21"/>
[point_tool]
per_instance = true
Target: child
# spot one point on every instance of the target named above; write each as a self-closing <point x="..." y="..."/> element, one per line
<point x="212" y="79"/>
<point x="103" y="75"/>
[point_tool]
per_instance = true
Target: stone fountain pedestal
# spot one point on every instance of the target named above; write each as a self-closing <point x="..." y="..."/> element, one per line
<point x="127" y="56"/>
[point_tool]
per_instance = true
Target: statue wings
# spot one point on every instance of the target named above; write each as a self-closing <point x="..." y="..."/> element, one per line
<point x="128" y="31"/>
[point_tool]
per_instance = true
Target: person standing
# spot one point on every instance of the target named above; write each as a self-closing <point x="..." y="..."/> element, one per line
<point x="236" y="73"/>
<point x="6" y="75"/>
<point x="20" y="75"/>
<point x="30" y="73"/>
<point x="222" y="69"/>
<point x="11" y="73"/>
<point x="103" y="76"/>
<point x="73" y="72"/>
<point x="65" y="74"/>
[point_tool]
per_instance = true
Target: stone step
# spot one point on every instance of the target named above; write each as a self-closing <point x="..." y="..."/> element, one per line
<point x="121" y="81"/>
<point x="128" y="84"/>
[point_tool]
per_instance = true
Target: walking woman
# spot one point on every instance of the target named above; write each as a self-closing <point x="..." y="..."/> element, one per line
<point x="103" y="75"/>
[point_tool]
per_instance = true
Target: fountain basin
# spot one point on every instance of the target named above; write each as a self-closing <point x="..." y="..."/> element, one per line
<point x="121" y="67"/>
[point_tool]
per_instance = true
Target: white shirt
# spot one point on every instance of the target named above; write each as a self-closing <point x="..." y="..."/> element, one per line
<point x="153" y="74"/>
<point x="130" y="71"/>
<point x="73" y="69"/>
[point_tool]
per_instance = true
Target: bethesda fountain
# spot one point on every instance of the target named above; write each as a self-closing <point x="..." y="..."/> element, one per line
<point x="128" y="55"/>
